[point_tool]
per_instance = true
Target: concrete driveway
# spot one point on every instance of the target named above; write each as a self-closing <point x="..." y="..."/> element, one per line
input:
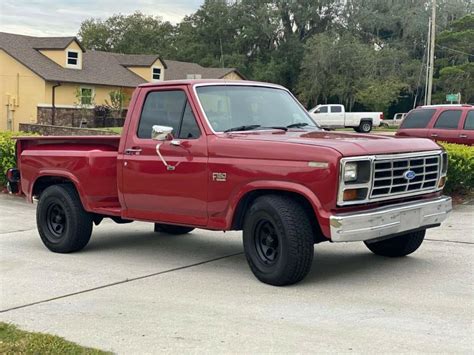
<point x="134" y="291"/>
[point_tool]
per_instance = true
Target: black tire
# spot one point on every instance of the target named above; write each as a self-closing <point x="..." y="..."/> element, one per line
<point x="171" y="229"/>
<point x="365" y="127"/>
<point x="397" y="246"/>
<point x="278" y="240"/>
<point x="356" y="129"/>
<point x="63" y="224"/>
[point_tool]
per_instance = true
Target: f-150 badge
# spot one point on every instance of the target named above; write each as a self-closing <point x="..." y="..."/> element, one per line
<point x="219" y="177"/>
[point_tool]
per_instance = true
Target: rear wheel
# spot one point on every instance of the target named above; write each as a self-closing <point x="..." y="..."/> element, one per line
<point x="278" y="240"/>
<point x="365" y="127"/>
<point x="397" y="246"/>
<point x="63" y="224"/>
<point x="171" y="229"/>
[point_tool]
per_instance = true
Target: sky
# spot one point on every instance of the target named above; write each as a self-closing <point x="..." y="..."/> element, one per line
<point x="64" y="17"/>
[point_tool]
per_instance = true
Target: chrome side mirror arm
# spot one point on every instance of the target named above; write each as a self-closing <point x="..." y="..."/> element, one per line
<point x="161" y="134"/>
<point x="168" y="167"/>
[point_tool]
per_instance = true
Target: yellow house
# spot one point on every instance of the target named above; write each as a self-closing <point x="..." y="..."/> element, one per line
<point x="44" y="75"/>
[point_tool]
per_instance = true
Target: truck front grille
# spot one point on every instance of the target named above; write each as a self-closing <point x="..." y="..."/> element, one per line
<point x="392" y="176"/>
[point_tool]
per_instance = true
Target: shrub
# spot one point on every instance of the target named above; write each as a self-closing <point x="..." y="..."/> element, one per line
<point x="7" y="153"/>
<point x="460" y="168"/>
<point x="101" y="110"/>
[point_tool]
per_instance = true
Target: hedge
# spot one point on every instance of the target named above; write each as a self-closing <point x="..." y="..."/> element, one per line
<point x="7" y="153"/>
<point x="460" y="168"/>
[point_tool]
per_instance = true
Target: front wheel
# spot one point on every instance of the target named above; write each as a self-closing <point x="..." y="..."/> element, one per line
<point x="397" y="246"/>
<point x="63" y="224"/>
<point x="171" y="229"/>
<point x="278" y="240"/>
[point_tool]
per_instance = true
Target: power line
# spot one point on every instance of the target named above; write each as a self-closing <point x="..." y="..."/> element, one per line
<point x="455" y="50"/>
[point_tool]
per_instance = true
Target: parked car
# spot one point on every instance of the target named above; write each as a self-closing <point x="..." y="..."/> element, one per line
<point x="395" y="121"/>
<point x="447" y="123"/>
<point x="335" y="116"/>
<point x="222" y="155"/>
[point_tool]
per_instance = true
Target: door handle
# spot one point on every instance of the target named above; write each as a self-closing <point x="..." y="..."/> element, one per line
<point x="434" y="135"/>
<point x="133" y="151"/>
<point x="462" y="136"/>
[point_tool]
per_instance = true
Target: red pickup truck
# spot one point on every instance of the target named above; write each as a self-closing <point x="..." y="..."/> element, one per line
<point x="223" y="155"/>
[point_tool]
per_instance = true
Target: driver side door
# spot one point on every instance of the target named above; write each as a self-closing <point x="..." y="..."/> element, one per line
<point x="152" y="191"/>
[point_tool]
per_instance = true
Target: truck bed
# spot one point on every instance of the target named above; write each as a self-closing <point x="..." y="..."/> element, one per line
<point x="89" y="161"/>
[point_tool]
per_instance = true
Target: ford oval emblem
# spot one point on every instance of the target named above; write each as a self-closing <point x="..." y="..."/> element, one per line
<point x="409" y="175"/>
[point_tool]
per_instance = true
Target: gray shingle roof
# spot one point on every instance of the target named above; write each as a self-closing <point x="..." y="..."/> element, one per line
<point x="179" y="70"/>
<point x="54" y="42"/>
<point x="137" y="60"/>
<point x="99" y="68"/>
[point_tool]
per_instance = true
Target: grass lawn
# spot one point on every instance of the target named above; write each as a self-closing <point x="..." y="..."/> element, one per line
<point x="117" y="130"/>
<point x="16" y="341"/>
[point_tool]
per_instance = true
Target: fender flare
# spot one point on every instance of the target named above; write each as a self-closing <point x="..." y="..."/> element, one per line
<point x="61" y="174"/>
<point x="242" y="191"/>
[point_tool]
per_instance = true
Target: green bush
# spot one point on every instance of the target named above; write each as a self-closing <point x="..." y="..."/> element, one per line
<point x="460" y="168"/>
<point x="7" y="153"/>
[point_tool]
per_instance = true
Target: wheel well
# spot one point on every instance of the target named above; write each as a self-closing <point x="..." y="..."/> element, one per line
<point x="44" y="182"/>
<point x="250" y="197"/>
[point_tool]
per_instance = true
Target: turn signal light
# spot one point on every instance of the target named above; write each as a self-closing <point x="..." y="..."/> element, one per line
<point x="350" y="195"/>
<point x="355" y="194"/>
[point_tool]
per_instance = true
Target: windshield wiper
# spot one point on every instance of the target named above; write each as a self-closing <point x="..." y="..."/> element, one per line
<point x="242" y="128"/>
<point x="298" y="125"/>
<point x="276" y="127"/>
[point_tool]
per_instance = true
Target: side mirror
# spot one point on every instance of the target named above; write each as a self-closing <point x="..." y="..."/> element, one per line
<point x="161" y="133"/>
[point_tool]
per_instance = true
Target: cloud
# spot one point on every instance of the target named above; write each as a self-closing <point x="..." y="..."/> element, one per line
<point x="64" y="17"/>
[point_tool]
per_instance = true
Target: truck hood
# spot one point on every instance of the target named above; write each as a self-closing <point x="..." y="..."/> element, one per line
<point x="348" y="144"/>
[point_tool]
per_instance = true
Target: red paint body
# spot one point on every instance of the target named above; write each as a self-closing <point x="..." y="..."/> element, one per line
<point x="462" y="134"/>
<point x="139" y="187"/>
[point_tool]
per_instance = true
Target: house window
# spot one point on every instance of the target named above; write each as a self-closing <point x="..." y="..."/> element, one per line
<point x="87" y="96"/>
<point x="72" y="59"/>
<point x="193" y="76"/>
<point x="156" y="74"/>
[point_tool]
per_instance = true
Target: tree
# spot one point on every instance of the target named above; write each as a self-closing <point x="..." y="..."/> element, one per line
<point x="137" y="34"/>
<point x="334" y="67"/>
<point x="455" y="60"/>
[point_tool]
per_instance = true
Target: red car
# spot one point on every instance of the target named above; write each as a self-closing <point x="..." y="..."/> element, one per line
<point x="447" y="123"/>
<point x="222" y="155"/>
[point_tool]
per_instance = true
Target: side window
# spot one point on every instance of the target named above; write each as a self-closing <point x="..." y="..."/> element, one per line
<point x="448" y="119"/>
<point x="164" y="108"/>
<point x="336" y="109"/>
<point x="469" y="124"/>
<point x="323" y="109"/>
<point x="418" y="118"/>
<point x="189" y="128"/>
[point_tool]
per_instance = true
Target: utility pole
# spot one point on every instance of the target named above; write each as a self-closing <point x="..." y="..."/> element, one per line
<point x="428" y="43"/>
<point x="432" y="50"/>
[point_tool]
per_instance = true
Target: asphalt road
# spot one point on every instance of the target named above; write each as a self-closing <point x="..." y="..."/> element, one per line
<point x="134" y="291"/>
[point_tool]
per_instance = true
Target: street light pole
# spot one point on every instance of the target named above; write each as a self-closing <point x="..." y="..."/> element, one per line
<point x="432" y="50"/>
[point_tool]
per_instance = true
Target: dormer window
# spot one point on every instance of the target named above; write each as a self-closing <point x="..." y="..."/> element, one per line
<point x="72" y="60"/>
<point x="156" y="74"/>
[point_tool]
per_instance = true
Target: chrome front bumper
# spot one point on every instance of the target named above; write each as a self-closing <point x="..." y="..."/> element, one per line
<point x="388" y="220"/>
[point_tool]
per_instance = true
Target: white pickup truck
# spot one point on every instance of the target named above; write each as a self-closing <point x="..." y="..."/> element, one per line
<point x="335" y="116"/>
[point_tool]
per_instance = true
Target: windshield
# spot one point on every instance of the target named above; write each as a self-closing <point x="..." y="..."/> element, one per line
<point x="229" y="107"/>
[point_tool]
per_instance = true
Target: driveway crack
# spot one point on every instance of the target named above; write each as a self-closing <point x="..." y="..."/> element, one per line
<point x="119" y="282"/>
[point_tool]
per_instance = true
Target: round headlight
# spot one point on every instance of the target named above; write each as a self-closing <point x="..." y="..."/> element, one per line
<point x="350" y="172"/>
